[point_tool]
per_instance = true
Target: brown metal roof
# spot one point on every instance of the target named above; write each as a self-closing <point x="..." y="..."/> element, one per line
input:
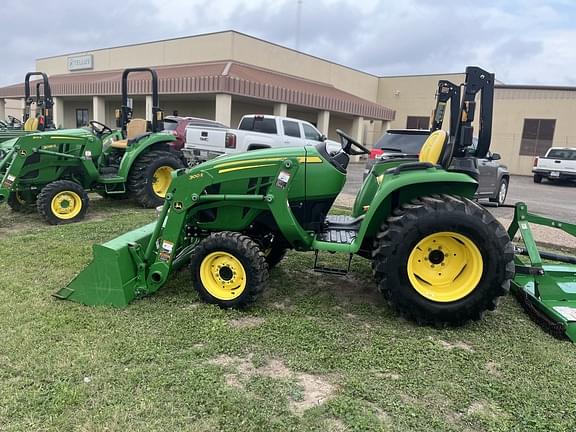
<point x="220" y="77"/>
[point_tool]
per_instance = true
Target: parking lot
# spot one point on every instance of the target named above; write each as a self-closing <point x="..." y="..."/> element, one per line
<point x="557" y="200"/>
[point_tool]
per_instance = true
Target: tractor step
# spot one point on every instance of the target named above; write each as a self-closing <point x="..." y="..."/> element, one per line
<point x="331" y="270"/>
<point x="110" y="179"/>
<point x="336" y="235"/>
<point x="340" y="229"/>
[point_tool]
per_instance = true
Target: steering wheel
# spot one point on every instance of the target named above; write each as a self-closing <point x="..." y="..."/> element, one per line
<point x="99" y="128"/>
<point x="348" y="142"/>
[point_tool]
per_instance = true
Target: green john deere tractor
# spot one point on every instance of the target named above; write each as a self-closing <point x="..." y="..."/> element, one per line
<point x="437" y="256"/>
<point x="55" y="170"/>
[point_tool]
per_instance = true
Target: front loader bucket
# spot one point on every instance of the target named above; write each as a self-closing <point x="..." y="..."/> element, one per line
<point x="113" y="277"/>
<point x="545" y="282"/>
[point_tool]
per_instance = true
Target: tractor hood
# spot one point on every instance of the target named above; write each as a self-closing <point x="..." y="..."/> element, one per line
<point x="82" y="132"/>
<point x="256" y="156"/>
<point x="7" y="145"/>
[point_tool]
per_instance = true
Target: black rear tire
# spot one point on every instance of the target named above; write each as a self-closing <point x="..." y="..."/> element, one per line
<point x="461" y="221"/>
<point x="228" y="269"/>
<point x="537" y="178"/>
<point x="142" y="176"/>
<point x="62" y="202"/>
<point x="22" y="202"/>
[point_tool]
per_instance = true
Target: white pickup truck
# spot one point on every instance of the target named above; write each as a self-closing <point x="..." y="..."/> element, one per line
<point x="558" y="164"/>
<point x="254" y="132"/>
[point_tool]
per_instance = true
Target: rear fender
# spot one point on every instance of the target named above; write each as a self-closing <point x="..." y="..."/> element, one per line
<point x="154" y="141"/>
<point x="397" y="189"/>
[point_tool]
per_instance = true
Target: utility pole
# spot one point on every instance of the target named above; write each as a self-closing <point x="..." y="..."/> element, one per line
<point x="298" y="23"/>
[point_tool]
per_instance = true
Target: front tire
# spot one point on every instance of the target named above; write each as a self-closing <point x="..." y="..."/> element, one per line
<point x="228" y="269"/>
<point x="502" y="192"/>
<point x="443" y="260"/>
<point x="151" y="176"/>
<point x="62" y="202"/>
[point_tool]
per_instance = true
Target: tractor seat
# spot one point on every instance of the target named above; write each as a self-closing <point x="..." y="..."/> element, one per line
<point x="434" y="148"/>
<point x="135" y="128"/>
<point x="435" y="151"/>
<point x="31" y="124"/>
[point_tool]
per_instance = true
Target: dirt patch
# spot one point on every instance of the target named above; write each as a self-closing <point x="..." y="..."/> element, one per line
<point x="456" y="345"/>
<point x="347" y="289"/>
<point x="10" y="228"/>
<point x="482" y="409"/>
<point x="246" y="322"/>
<point x="382" y="415"/>
<point x="334" y="425"/>
<point x="315" y="389"/>
<point x="493" y="368"/>
<point x="282" y="305"/>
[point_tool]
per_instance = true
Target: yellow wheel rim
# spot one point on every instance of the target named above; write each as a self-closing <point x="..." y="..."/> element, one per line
<point x="445" y="267"/>
<point x="161" y="180"/>
<point x="223" y="275"/>
<point x="66" y="205"/>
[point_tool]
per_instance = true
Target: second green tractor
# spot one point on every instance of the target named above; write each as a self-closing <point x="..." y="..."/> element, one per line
<point x="53" y="171"/>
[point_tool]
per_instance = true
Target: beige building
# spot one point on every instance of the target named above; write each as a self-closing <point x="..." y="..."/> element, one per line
<point x="225" y="75"/>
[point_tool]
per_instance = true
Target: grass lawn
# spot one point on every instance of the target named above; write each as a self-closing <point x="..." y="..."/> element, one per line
<point x="317" y="352"/>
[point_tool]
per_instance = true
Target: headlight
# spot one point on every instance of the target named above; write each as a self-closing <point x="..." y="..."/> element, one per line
<point x="2" y="154"/>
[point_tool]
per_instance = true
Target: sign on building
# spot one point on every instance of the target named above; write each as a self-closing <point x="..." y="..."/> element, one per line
<point x="81" y="62"/>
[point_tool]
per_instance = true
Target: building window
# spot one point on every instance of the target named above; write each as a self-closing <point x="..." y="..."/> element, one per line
<point x="537" y="136"/>
<point x="81" y="117"/>
<point x="415" y="122"/>
<point x="291" y="128"/>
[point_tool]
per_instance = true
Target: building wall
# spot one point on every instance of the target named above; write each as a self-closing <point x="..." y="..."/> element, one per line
<point x="204" y="48"/>
<point x="243" y="107"/>
<point x="70" y="107"/>
<point x="338" y="122"/>
<point x="223" y="46"/>
<point x="412" y="95"/>
<point x="512" y="106"/>
<point x="14" y="108"/>
<point x="189" y="107"/>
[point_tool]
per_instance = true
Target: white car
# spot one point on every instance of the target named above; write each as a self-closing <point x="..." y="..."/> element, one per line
<point x="254" y="132"/>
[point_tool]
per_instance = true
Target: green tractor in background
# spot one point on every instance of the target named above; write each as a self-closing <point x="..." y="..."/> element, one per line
<point x="438" y="257"/>
<point x="41" y="119"/>
<point x="55" y="170"/>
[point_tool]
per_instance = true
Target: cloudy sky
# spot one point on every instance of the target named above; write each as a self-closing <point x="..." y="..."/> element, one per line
<point x="522" y="41"/>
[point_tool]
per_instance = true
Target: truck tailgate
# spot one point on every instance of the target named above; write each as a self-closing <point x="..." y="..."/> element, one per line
<point x="206" y="138"/>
